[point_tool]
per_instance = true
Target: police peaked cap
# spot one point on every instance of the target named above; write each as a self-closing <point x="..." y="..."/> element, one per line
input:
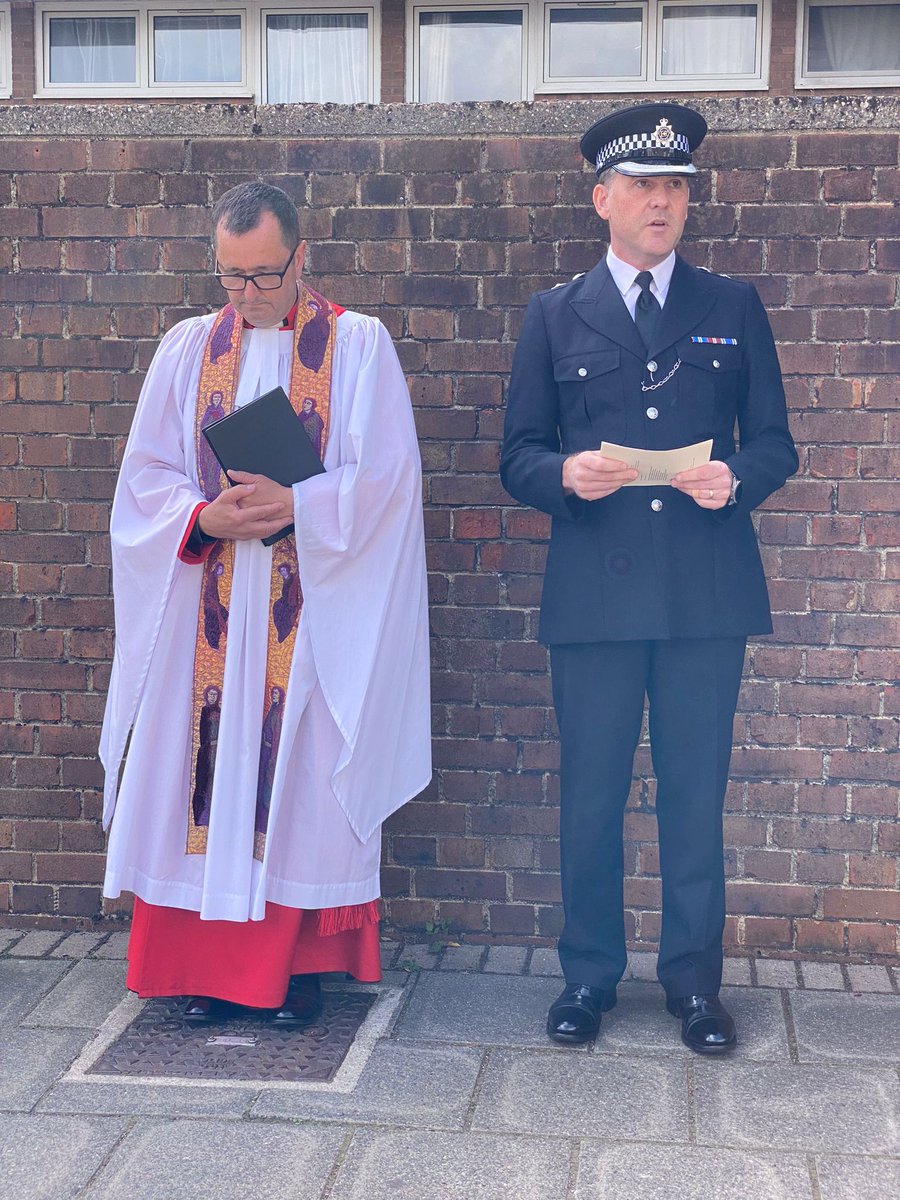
<point x="647" y="139"/>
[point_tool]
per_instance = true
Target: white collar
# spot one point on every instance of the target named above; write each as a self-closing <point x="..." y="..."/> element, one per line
<point x="624" y="274"/>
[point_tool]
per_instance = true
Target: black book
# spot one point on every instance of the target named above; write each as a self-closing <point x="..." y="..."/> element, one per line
<point x="265" y="437"/>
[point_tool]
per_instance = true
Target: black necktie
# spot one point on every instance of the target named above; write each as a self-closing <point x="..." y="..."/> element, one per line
<point x="646" y="311"/>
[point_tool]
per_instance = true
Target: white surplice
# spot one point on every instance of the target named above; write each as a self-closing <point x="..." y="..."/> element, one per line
<point x="355" y="739"/>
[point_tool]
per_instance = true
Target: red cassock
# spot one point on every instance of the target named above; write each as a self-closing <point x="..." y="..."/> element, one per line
<point x="173" y="953"/>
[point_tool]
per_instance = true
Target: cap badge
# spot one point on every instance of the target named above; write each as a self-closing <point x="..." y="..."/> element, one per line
<point x="663" y="133"/>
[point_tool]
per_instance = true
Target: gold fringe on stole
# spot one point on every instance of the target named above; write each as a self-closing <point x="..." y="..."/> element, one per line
<point x="350" y="916"/>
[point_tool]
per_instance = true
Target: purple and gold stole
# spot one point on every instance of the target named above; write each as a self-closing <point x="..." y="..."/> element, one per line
<point x="310" y="396"/>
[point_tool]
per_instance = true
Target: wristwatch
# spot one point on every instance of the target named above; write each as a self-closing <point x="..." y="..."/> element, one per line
<point x="735" y="489"/>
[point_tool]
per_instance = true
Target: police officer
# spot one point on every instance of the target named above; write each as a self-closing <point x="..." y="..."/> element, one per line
<point x="648" y="590"/>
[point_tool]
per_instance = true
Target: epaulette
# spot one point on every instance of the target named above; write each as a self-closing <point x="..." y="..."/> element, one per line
<point x="709" y="272"/>
<point x="572" y="280"/>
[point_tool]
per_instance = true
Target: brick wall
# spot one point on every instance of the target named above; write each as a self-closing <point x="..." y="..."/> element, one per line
<point x="442" y="221"/>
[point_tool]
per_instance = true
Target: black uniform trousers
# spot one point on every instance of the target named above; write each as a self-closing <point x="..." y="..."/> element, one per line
<point x="692" y="686"/>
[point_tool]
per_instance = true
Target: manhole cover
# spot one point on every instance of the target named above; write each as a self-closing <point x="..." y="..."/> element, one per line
<point x="242" y="1046"/>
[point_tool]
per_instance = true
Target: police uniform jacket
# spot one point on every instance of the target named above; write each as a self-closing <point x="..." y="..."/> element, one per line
<point x="647" y="562"/>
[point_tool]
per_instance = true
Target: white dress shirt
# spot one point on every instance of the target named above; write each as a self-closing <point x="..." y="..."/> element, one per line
<point x="624" y="275"/>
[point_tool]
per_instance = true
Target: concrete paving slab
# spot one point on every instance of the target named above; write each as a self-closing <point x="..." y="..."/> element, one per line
<point x="811" y="1108"/>
<point x="77" y="945"/>
<point x="430" y="1166"/>
<point x="736" y="972"/>
<point x="115" y="946"/>
<point x="151" y="1099"/>
<point x="9" y="937"/>
<point x="858" y="1178"/>
<point x="823" y="976"/>
<point x="776" y="972"/>
<point x="245" y="1160"/>
<point x="640" y="1024"/>
<point x="589" y="1096"/>
<point x="545" y="962"/>
<point x="500" y="1010"/>
<point x="400" y="1085"/>
<point x="870" y="979"/>
<point x="30" y="1062"/>
<point x="52" y="1158"/>
<point x="22" y="984"/>
<point x="84" y="998"/>
<point x="690" y="1173"/>
<point x="506" y="960"/>
<point x="37" y="942"/>
<point x="641" y="965"/>
<point x="462" y="958"/>
<point x="847" y="1028"/>
<point x="389" y="953"/>
<point x="416" y="956"/>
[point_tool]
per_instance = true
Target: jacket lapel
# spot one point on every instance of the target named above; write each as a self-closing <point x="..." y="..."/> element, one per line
<point x="599" y="304"/>
<point x="688" y="301"/>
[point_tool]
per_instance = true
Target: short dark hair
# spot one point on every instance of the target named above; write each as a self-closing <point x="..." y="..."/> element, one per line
<point x="241" y="210"/>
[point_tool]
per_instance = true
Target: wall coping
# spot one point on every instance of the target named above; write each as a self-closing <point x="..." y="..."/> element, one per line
<point x="741" y="114"/>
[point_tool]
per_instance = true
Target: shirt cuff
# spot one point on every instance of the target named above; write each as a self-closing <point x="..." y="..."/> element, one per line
<point x="195" y="546"/>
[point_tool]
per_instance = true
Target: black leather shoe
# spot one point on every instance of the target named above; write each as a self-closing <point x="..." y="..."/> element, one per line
<point x="200" y="1010"/>
<point x="575" y="1016"/>
<point x="302" y="1004"/>
<point x="706" y="1025"/>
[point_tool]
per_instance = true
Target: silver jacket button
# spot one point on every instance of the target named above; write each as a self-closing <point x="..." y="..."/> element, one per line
<point x="656" y="505"/>
<point x="652" y="365"/>
<point x="582" y="371"/>
<point x="716" y="362"/>
<point x="652" y="413"/>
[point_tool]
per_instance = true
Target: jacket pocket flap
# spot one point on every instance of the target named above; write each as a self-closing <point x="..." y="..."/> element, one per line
<point x="709" y="357"/>
<point x="575" y="368"/>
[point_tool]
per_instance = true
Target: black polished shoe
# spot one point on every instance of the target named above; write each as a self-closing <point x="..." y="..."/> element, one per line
<point x="706" y="1025"/>
<point x="302" y="1004"/>
<point x="575" y="1016"/>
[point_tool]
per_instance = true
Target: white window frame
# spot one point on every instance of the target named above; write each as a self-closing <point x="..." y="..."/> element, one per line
<point x="651" y="78"/>
<point x="327" y="7"/>
<point x="525" y="7"/>
<point x="829" y="79"/>
<point x="536" y="31"/>
<point x="5" y="50"/>
<point x="253" y="82"/>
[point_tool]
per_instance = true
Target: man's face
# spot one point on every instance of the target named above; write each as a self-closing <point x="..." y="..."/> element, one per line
<point x="262" y="249"/>
<point x="646" y="215"/>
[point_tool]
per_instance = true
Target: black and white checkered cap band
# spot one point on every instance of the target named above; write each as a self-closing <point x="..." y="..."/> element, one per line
<point x="623" y="147"/>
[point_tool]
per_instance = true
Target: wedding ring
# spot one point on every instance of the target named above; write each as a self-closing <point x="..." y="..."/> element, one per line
<point x="709" y="493"/>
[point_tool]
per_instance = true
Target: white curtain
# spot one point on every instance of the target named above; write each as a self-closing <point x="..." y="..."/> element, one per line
<point x="92" y="50"/>
<point x="197" y="49"/>
<point x="709" y="39"/>
<point x="859" y="37"/>
<point x="318" y="58"/>
<point x="470" y="56"/>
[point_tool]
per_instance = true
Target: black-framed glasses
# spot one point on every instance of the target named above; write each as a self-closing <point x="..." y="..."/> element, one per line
<point x="266" y="281"/>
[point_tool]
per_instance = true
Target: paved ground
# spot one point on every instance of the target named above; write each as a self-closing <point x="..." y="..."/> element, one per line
<point x="458" y="1095"/>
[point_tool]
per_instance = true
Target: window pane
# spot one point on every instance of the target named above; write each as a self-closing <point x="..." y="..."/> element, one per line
<point x="709" y="39"/>
<point x="197" y="49"/>
<point x="318" y="58"/>
<point x="587" y="43"/>
<point x="470" y="56"/>
<point x="92" y="50"/>
<point x="854" y="38"/>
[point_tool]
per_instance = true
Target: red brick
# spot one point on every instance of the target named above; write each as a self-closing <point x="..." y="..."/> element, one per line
<point x="837" y="149"/>
<point x="862" y="904"/>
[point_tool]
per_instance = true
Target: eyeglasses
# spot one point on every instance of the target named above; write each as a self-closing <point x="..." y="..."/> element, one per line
<point x="266" y="281"/>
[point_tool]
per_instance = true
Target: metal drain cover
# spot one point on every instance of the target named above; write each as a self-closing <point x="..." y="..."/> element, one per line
<point x="240" y="1046"/>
